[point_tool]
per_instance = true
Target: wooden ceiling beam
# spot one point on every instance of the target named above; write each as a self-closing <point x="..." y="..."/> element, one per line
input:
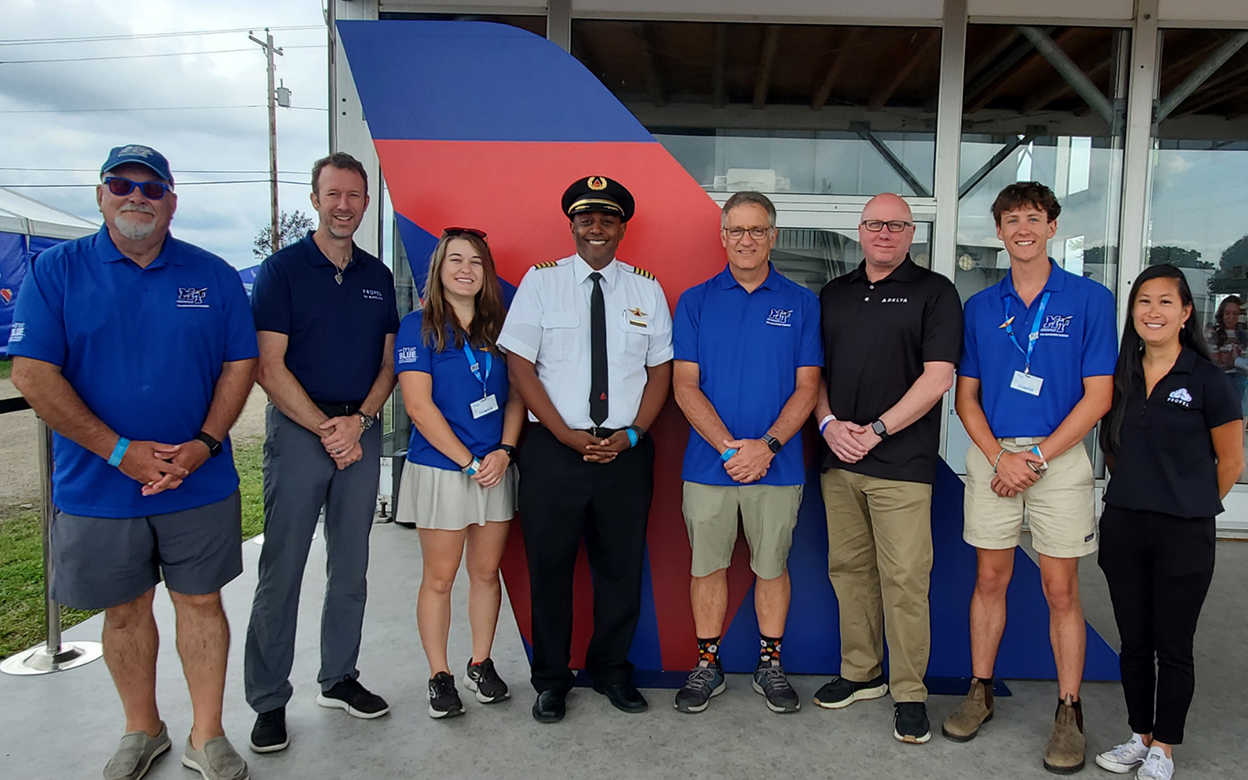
<point x="767" y="63"/>
<point x="903" y="68"/>
<point x="842" y="58"/>
<point x="719" y="74"/>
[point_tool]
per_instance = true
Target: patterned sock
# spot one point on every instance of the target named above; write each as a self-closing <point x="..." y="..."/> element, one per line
<point x="708" y="650"/>
<point x="769" y="648"/>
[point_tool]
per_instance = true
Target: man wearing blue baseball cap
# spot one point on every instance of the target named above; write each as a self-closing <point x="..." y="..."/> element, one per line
<point x="138" y="350"/>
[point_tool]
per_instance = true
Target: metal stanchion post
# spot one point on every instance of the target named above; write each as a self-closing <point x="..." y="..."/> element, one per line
<point x="52" y="655"/>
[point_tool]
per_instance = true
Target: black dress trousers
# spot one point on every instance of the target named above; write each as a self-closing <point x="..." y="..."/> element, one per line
<point x="563" y="498"/>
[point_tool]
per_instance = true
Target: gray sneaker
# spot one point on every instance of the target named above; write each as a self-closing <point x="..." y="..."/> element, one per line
<point x="218" y="760"/>
<point x="135" y="754"/>
<point x="771" y="682"/>
<point x="706" y="680"/>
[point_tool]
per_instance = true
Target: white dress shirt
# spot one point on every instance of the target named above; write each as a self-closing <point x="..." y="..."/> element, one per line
<point x="548" y="325"/>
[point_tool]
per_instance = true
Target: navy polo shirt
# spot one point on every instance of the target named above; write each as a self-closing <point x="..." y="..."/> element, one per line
<point x="143" y="348"/>
<point x="337" y="331"/>
<point x="455" y="387"/>
<point x="1076" y="340"/>
<point x="1165" y="461"/>
<point x="748" y="347"/>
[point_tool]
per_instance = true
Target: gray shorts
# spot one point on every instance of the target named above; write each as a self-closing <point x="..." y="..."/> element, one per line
<point x="102" y="562"/>
<point x="767" y="512"/>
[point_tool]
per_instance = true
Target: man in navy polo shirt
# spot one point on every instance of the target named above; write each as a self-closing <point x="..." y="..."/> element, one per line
<point x="748" y="356"/>
<point x="137" y="350"/>
<point x="1036" y="375"/>
<point x="326" y="320"/>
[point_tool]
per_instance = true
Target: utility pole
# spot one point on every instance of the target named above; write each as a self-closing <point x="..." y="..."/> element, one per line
<point x="269" y="51"/>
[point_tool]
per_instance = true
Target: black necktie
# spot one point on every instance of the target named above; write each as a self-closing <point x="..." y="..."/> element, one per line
<point x="597" y="353"/>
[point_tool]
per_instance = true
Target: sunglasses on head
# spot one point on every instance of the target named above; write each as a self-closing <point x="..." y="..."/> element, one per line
<point x="121" y="187"/>
<point x="461" y="231"/>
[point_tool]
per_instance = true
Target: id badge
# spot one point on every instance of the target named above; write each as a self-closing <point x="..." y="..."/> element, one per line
<point x="1028" y="383"/>
<point x="484" y="406"/>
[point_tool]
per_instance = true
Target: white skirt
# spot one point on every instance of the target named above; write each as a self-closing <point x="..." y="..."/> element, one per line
<point x="451" y="500"/>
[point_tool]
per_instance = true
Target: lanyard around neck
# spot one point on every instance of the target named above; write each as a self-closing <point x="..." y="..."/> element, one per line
<point x="1031" y="337"/>
<point x="475" y="367"/>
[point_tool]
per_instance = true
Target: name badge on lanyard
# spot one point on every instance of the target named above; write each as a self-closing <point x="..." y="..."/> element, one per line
<point x="487" y="403"/>
<point x="1024" y="381"/>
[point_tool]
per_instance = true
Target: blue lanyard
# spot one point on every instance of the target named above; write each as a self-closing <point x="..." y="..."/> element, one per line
<point x="1035" y="329"/>
<point x="475" y="367"/>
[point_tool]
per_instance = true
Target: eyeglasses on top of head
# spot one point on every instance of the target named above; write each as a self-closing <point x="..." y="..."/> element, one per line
<point x="121" y="187"/>
<point x="450" y="232"/>
<point x="757" y="233"/>
<point x="894" y="226"/>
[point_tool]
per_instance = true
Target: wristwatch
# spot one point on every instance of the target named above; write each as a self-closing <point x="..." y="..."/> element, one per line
<point x="772" y="443"/>
<point x="509" y="451"/>
<point x="214" y="446"/>
<point x="366" y="421"/>
<point x="878" y="428"/>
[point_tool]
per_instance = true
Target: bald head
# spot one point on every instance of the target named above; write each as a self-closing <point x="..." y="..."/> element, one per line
<point x="883" y="249"/>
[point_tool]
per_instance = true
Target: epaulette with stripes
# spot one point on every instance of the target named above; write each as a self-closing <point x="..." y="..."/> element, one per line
<point x="643" y="272"/>
<point x="551" y="264"/>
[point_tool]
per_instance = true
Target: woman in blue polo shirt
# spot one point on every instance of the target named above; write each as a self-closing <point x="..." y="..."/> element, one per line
<point x="458" y="488"/>
<point x="1173" y="440"/>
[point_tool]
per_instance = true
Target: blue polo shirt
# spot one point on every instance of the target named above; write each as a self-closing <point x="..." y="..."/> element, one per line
<point x="143" y="348"/>
<point x="748" y="347"/>
<point x="454" y="389"/>
<point x="337" y="331"/>
<point x="1076" y="340"/>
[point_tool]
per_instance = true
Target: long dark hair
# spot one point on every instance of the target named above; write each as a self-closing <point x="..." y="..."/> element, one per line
<point x="487" y="320"/>
<point x="1132" y="349"/>
<point x="1219" y="323"/>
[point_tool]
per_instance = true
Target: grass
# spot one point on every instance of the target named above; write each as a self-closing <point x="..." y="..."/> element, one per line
<point x="5" y="367"/>
<point x="21" y="557"/>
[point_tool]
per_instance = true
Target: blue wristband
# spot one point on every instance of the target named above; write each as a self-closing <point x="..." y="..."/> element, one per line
<point x="632" y="437"/>
<point x="473" y="466"/>
<point x="119" y="452"/>
<point x="728" y="453"/>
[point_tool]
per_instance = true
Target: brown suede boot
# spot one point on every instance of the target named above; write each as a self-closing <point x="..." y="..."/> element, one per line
<point x="974" y="711"/>
<point x="1064" y="755"/>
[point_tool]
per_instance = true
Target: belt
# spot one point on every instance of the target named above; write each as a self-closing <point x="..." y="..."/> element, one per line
<point x="600" y="433"/>
<point x="339" y="410"/>
<point x="1023" y="441"/>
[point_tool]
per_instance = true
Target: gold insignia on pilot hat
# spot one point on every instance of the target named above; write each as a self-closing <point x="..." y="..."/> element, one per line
<point x="597" y="183"/>
<point x="643" y="272"/>
<point x="550" y="264"/>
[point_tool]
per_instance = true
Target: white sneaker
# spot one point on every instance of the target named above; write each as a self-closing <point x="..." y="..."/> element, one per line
<point x="1156" y="766"/>
<point x="1125" y="757"/>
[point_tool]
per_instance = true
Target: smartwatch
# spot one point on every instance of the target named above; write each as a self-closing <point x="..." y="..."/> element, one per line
<point x="772" y="443"/>
<point x="509" y="451"/>
<point x="878" y="428"/>
<point x="214" y="446"/>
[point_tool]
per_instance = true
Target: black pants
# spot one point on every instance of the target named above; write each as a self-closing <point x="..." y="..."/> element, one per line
<point x="1159" y="568"/>
<point x="563" y="498"/>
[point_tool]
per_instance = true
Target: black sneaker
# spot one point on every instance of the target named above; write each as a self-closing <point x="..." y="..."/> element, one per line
<point x="357" y="700"/>
<point x="910" y="722"/>
<point x="771" y="682"/>
<point x="706" y="680"/>
<point x="482" y="680"/>
<point x="269" y="733"/>
<point x="839" y="692"/>
<point x="443" y="698"/>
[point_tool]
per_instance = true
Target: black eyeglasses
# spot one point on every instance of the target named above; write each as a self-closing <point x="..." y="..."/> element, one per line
<point x="876" y="225"/>
<point x="121" y="187"/>
<point x="756" y="233"/>
<point x="462" y="231"/>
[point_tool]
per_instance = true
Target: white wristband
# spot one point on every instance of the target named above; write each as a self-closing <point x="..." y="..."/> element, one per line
<point x="824" y="422"/>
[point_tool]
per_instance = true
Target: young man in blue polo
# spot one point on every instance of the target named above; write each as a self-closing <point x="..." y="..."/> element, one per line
<point x="138" y="350"/>
<point x="748" y="355"/>
<point x="1036" y="375"/>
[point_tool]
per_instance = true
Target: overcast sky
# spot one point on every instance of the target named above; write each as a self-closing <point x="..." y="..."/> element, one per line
<point x="203" y="107"/>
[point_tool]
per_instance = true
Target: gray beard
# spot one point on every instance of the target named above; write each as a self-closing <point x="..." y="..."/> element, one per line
<point x="135" y="231"/>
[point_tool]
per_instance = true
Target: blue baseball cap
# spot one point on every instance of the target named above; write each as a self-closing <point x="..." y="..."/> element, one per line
<point x="137" y="154"/>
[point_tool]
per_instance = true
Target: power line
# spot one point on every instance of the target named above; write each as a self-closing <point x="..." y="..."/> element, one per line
<point x="140" y="36"/>
<point x="140" y="108"/>
<point x="144" y="56"/>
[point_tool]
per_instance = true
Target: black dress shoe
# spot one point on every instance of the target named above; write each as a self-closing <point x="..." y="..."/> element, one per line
<point x="550" y="706"/>
<point x="623" y="696"/>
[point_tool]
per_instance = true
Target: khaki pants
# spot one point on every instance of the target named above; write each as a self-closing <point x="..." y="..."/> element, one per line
<point x="880" y="563"/>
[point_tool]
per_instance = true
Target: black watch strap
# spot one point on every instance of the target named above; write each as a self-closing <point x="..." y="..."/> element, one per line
<point x="772" y="443"/>
<point x="509" y="450"/>
<point x="214" y="446"/>
<point x="878" y="428"/>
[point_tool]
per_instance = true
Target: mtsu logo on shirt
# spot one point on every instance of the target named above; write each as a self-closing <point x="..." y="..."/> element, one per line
<point x="1181" y="397"/>
<point x="1056" y="325"/>
<point x="780" y="317"/>
<point x="407" y="355"/>
<point x="192" y="297"/>
<point x="17" y="333"/>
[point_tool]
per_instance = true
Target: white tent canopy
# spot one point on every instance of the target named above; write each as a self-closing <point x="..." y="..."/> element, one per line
<point x="26" y="216"/>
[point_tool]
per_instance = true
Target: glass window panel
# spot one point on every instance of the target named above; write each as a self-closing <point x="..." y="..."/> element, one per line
<point x="812" y="257"/>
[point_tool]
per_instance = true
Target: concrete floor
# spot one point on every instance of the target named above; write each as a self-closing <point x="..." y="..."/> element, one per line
<point x="66" y="725"/>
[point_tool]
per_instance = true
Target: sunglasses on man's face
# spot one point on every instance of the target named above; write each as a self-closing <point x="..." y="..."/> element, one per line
<point x="451" y="232"/>
<point x="121" y="187"/>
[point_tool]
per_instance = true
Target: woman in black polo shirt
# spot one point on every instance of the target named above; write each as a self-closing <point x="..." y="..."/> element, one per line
<point x="1173" y="440"/>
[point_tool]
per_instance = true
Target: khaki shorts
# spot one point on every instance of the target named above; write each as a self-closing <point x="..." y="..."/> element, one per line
<point x="1059" y="507"/>
<point x="768" y="513"/>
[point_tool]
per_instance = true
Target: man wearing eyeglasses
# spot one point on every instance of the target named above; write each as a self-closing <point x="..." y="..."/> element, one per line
<point x="138" y="350"/>
<point x="746" y="372"/>
<point x="892" y="334"/>
<point x="326" y="320"/>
